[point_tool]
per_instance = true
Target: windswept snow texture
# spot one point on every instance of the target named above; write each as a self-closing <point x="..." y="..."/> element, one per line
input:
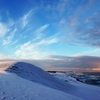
<point x="23" y="81"/>
<point x="84" y="91"/>
<point x="36" y="74"/>
<point x="13" y="87"/>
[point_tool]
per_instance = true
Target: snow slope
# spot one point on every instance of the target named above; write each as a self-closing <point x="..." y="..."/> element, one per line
<point x="36" y="74"/>
<point x="85" y="91"/>
<point x="13" y="87"/>
<point x="23" y="81"/>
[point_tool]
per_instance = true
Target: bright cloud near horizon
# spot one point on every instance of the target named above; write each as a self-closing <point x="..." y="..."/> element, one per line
<point x="50" y="31"/>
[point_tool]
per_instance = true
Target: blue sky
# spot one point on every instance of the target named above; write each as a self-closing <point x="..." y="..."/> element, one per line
<point x="50" y="30"/>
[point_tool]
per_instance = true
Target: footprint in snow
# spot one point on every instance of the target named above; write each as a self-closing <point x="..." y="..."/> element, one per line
<point x="3" y="92"/>
<point x="3" y="98"/>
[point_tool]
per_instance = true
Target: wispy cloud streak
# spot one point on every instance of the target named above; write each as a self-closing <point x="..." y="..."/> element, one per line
<point x="9" y="38"/>
<point x="41" y="29"/>
<point x="3" y="29"/>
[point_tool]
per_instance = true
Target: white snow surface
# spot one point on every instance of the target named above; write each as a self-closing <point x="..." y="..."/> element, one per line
<point x="13" y="87"/>
<point x="23" y="81"/>
<point x="82" y="90"/>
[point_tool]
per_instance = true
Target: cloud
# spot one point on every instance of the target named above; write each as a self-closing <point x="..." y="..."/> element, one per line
<point x="2" y="56"/>
<point x="31" y="50"/>
<point x="73" y="21"/>
<point x="59" y="57"/>
<point x="7" y="28"/>
<point x="4" y="28"/>
<point x="57" y="62"/>
<point x="39" y="32"/>
<point x="78" y="63"/>
<point x="41" y="29"/>
<point x="62" y="5"/>
<point x="26" y="18"/>
<point x="54" y="9"/>
<point x="80" y="28"/>
<point x="7" y="40"/>
<point x="26" y="47"/>
<point x="93" y="52"/>
<point x="90" y="33"/>
<point x="5" y="23"/>
<point x="38" y="36"/>
<point x="48" y="41"/>
<point x="91" y="4"/>
<point x="96" y="69"/>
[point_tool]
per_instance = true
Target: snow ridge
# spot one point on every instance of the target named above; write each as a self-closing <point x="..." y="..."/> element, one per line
<point x="36" y="74"/>
<point x="13" y="87"/>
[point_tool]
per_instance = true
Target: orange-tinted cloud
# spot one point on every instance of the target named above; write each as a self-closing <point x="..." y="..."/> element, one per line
<point x="78" y="63"/>
<point x="96" y="69"/>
